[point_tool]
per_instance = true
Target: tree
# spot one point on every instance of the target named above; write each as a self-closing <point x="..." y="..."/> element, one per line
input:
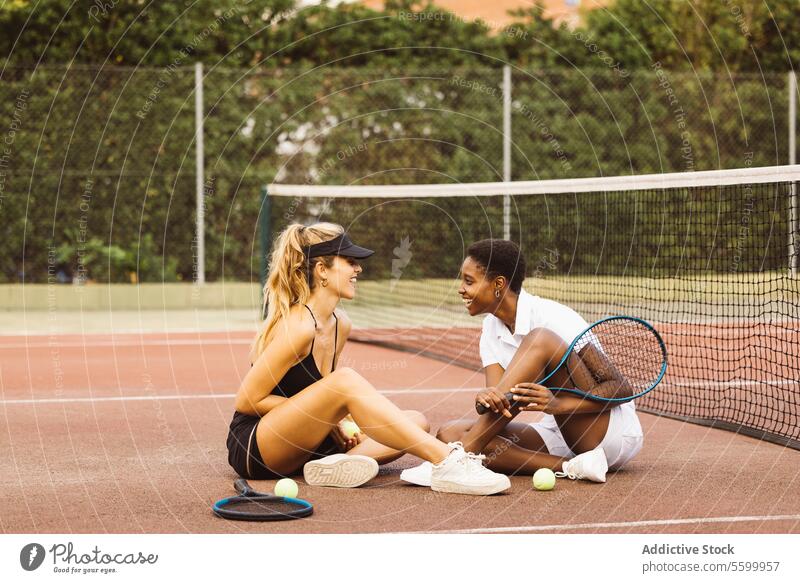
<point x="137" y="32"/>
<point x="710" y="35"/>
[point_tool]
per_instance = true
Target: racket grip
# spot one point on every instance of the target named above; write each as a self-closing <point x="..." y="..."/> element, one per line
<point x="481" y="409"/>
<point x="241" y="486"/>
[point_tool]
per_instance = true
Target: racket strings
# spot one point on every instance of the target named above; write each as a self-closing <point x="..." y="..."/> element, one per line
<point x="631" y="348"/>
<point x="261" y="506"/>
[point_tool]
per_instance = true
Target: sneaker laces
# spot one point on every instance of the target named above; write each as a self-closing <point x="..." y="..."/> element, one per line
<point x="567" y="473"/>
<point x="476" y="456"/>
<point x="471" y="461"/>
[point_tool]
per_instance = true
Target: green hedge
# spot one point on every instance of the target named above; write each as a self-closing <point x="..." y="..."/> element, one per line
<point x="102" y="158"/>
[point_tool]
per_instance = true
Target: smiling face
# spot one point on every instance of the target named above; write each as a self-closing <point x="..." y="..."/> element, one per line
<point x="477" y="290"/>
<point x="341" y="276"/>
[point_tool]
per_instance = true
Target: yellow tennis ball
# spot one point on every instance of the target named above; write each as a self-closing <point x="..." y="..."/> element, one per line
<point x="350" y="428"/>
<point x="544" y="479"/>
<point x="286" y="488"/>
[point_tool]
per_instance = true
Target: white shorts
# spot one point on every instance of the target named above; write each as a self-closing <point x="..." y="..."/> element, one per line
<point x="623" y="440"/>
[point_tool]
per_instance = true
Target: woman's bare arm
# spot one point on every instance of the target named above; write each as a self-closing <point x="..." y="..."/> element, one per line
<point x="591" y="372"/>
<point x="290" y="343"/>
<point x="493" y="373"/>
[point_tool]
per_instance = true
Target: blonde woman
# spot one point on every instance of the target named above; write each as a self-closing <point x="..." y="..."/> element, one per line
<point x="292" y="401"/>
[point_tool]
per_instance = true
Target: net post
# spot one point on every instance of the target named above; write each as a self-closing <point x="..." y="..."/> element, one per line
<point x="200" y="277"/>
<point x="793" y="236"/>
<point x="264" y="235"/>
<point x="506" y="149"/>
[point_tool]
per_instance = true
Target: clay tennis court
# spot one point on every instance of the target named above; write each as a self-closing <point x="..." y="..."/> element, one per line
<point x="126" y="433"/>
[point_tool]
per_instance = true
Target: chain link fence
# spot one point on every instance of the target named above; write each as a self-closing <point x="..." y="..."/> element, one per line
<point x="97" y="169"/>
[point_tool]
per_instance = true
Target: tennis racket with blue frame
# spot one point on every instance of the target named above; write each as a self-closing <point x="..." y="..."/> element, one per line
<point x="615" y="360"/>
<point x="254" y="506"/>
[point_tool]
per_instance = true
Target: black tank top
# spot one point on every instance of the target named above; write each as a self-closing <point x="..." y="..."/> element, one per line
<point x="305" y="372"/>
<point x="300" y="376"/>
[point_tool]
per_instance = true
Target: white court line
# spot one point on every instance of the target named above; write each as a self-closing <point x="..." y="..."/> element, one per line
<point x="208" y="396"/>
<point x="678" y="383"/>
<point x="604" y="525"/>
<point x="36" y="333"/>
<point x="383" y="391"/>
<point x="75" y="344"/>
<point x="112" y="399"/>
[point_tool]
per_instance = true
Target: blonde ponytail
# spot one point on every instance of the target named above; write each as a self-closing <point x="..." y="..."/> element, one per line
<point x="289" y="281"/>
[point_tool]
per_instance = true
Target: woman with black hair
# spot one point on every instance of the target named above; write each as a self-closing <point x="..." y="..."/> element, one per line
<point x="523" y="338"/>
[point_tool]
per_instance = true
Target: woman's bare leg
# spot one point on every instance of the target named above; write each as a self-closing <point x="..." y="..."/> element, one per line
<point x="289" y="432"/>
<point x="539" y="352"/>
<point x="382" y="454"/>
<point x="517" y="449"/>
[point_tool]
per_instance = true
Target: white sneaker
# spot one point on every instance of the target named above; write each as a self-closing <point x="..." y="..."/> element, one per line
<point x="340" y="471"/>
<point x="419" y="475"/>
<point x="591" y="465"/>
<point x="462" y="472"/>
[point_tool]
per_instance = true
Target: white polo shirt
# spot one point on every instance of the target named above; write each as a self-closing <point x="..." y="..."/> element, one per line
<point x="499" y="345"/>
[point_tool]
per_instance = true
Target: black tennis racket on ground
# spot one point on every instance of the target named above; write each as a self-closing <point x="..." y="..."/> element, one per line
<point x="256" y="507"/>
<point x="615" y="360"/>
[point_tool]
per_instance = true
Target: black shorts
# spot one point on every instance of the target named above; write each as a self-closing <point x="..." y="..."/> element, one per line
<point x="245" y="457"/>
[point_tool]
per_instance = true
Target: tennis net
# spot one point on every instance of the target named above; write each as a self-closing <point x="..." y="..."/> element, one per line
<point x="710" y="258"/>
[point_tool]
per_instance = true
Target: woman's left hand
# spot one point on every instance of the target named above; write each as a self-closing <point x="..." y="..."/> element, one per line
<point x="533" y="397"/>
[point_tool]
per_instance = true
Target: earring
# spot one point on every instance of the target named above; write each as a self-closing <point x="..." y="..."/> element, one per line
<point x="497" y="293"/>
<point x="324" y="282"/>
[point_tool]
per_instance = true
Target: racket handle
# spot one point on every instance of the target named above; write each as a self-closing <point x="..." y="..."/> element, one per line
<point x="242" y="486"/>
<point x="481" y="409"/>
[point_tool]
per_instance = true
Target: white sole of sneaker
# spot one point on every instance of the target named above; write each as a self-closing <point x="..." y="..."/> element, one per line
<point x="455" y="488"/>
<point x="346" y="472"/>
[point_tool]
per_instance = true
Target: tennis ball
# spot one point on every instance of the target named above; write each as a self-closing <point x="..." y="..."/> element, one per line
<point x="286" y="488"/>
<point x="544" y="479"/>
<point x="350" y="428"/>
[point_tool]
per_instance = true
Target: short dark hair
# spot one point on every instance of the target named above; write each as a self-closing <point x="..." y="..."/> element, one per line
<point x="500" y="257"/>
